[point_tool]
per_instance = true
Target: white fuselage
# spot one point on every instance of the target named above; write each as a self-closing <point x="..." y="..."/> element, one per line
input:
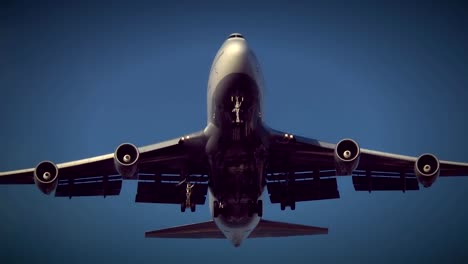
<point x="234" y="112"/>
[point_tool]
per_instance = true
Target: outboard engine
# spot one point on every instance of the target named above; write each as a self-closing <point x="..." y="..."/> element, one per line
<point x="126" y="158"/>
<point x="427" y="169"/>
<point x="46" y="176"/>
<point x="347" y="154"/>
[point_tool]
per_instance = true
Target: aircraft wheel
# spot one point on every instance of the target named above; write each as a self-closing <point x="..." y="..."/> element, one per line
<point x="293" y="205"/>
<point x="182" y="207"/>
<point x="283" y="206"/>
<point x="193" y="207"/>
<point x="260" y="208"/>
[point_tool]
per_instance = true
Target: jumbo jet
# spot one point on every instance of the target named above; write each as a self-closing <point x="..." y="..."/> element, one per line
<point x="232" y="160"/>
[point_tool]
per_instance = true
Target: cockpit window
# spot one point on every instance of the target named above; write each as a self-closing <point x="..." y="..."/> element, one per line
<point x="235" y="35"/>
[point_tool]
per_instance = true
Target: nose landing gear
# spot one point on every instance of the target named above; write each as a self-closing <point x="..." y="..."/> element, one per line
<point x="237" y="108"/>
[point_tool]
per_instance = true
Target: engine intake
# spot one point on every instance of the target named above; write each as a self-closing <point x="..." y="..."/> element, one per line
<point x="347" y="154"/>
<point x="126" y="158"/>
<point x="427" y="169"/>
<point x="46" y="176"/>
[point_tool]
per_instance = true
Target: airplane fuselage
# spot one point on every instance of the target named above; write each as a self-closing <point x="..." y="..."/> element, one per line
<point x="235" y="148"/>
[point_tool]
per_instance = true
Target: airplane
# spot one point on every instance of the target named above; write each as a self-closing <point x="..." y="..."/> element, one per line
<point x="233" y="161"/>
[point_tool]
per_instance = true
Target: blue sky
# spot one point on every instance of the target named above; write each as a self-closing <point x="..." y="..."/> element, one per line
<point x="78" y="79"/>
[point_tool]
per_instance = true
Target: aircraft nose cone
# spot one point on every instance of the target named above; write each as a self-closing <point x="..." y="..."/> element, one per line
<point x="237" y="48"/>
<point x="236" y="35"/>
<point x="235" y="56"/>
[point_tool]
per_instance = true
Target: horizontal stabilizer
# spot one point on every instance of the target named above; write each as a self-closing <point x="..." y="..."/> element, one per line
<point x="199" y="230"/>
<point x="264" y="228"/>
<point x="279" y="229"/>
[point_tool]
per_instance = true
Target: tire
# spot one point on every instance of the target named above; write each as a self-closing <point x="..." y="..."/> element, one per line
<point x="182" y="207"/>
<point x="193" y="207"/>
<point x="283" y="206"/>
<point x="293" y="205"/>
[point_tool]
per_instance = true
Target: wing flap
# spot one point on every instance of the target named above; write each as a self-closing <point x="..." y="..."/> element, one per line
<point x="168" y="193"/>
<point x="364" y="183"/>
<point x="97" y="186"/>
<point x="304" y="190"/>
<point x="161" y="191"/>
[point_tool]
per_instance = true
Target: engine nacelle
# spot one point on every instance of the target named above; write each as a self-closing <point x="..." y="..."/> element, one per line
<point x="126" y="158"/>
<point x="427" y="169"/>
<point x="46" y="176"/>
<point x="347" y="154"/>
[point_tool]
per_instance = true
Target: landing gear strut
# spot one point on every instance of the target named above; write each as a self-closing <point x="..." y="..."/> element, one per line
<point x="183" y="206"/>
<point x="288" y="200"/>
<point x="188" y="202"/>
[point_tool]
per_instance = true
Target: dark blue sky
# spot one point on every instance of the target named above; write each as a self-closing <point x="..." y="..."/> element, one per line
<point x="78" y="79"/>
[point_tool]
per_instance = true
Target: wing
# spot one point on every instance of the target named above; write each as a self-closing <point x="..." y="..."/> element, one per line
<point x="303" y="169"/>
<point x="382" y="171"/>
<point x="160" y="167"/>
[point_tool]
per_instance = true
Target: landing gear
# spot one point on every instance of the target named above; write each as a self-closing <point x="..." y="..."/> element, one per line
<point x="183" y="206"/>
<point x="255" y="208"/>
<point x="288" y="201"/>
<point x="288" y="198"/>
<point x="237" y="108"/>
<point x="188" y="201"/>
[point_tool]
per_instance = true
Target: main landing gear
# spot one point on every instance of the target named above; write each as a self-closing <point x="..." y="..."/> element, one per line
<point x="288" y="202"/>
<point x="183" y="206"/>
<point x="188" y="202"/>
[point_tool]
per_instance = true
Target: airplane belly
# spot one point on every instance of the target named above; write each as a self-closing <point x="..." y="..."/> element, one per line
<point x="238" y="179"/>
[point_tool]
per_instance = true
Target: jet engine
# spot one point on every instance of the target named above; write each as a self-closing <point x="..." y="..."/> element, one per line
<point x="46" y="176"/>
<point x="427" y="169"/>
<point x="347" y="153"/>
<point x="126" y="158"/>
